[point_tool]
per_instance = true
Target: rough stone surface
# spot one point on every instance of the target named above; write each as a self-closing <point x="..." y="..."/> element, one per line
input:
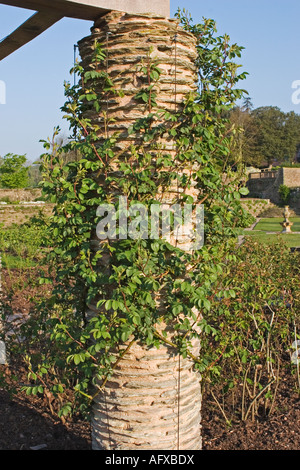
<point x="153" y="400"/>
<point x="267" y="186"/>
<point x="128" y="40"/>
<point x="142" y="408"/>
<point x="21" y="195"/>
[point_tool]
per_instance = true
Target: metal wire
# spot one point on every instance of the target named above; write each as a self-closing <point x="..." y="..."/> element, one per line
<point x="179" y="358"/>
<point x="74" y="60"/>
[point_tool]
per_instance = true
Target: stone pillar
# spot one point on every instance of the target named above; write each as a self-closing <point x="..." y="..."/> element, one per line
<point x="128" y="40"/>
<point x="153" y="400"/>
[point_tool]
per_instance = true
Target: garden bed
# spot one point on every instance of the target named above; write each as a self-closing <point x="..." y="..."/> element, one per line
<point x="268" y="230"/>
<point x="27" y="423"/>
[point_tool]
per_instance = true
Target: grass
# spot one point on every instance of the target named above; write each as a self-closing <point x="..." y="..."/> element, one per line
<point x="273" y="224"/>
<point x="290" y="239"/>
<point x="21" y="246"/>
<point x="10" y="261"/>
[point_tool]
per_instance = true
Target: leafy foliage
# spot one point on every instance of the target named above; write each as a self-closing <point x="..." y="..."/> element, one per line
<point x="147" y="285"/>
<point x="23" y="244"/>
<point x="13" y="173"/>
<point x="247" y="334"/>
<point x="264" y="136"/>
<point x="284" y="193"/>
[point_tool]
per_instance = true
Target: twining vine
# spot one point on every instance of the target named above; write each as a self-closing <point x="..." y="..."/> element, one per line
<point x="83" y="351"/>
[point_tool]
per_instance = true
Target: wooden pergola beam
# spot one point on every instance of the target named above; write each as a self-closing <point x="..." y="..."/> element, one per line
<point x="92" y="9"/>
<point x="33" y="27"/>
<point x="49" y="12"/>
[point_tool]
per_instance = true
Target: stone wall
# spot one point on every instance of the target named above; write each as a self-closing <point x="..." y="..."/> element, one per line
<point x="259" y="186"/>
<point x="255" y="207"/>
<point x="20" y="195"/>
<point x="291" y="177"/>
<point x="267" y="187"/>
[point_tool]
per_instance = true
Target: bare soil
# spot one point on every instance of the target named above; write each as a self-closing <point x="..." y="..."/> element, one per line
<point x="26" y="421"/>
<point x="27" y="424"/>
<point x="19" y="213"/>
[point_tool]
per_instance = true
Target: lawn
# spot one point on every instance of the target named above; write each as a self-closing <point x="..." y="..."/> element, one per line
<point x="273" y="225"/>
<point x="290" y="239"/>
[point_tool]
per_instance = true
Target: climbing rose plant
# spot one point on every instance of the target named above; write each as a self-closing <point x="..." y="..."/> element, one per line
<point x="77" y="349"/>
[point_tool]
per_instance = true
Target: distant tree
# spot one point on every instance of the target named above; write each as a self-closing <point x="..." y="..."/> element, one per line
<point x="279" y="134"/>
<point x="291" y="136"/>
<point x="270" y="138"/>
<point x="13" y="173"/>
<point x="243" y="127"/>
<point x="264" y="135"/>
<point x="34" y="175"/>
<point x="247" y="104"/>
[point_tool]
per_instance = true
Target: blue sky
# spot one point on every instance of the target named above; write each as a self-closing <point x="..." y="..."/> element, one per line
<point x="34" y="75"/>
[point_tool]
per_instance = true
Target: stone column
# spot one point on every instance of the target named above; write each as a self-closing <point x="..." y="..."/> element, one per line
<point x="128" y="40"/>
<point x="153" y="400"/>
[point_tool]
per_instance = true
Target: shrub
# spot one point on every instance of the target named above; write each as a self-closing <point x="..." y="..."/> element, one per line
<point x="250" y="328"/>
<point x="13" y="173"/>
<point x="284" y="193"/>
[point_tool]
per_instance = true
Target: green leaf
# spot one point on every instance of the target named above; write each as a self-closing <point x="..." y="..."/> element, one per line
<point x="244" y="191"/>
<point x="77" y="359"/>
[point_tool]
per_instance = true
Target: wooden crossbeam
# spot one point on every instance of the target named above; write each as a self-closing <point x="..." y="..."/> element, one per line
<point x="65" y="7"/>
<point x="49" y="12"/>
<point x="33" y="27"/>
<point x="92" y="9"/>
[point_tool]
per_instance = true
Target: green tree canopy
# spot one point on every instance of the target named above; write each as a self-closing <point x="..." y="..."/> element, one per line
<point x="264" y="135"/>
<point x="244" y="146"/>
<point x="270" y="137"/>
<point x="13" y="173"/>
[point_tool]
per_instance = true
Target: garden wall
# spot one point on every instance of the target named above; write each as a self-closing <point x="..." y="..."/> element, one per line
<point x="20" y="195"/>
<point x="17" y="206"/>
<point x="265" y="185"/>
<point x="291" y="177"/>
<point x="254" y="206"/>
